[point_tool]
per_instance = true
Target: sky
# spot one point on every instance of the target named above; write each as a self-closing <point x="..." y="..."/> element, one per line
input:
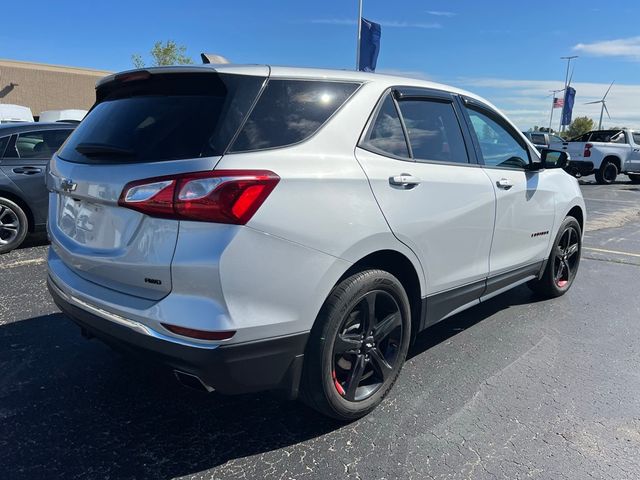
<point x="507" y="51"/>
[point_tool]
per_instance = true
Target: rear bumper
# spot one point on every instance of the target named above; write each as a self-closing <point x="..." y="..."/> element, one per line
<point x="274" y="363"/>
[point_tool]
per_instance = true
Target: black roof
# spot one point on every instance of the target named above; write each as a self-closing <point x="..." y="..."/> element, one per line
<point x="19" y="127"/>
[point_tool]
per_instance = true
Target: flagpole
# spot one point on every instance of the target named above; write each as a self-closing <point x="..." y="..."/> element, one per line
<point x="566" y="79"/>
<point x="359" y="35"/>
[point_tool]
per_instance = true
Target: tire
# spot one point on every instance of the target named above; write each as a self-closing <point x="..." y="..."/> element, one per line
<point x="635" y="178"/>
<point x="607" y="173"/>
<point x="564" y="260"/>
<point x="14" y="225"/>
<point x="329" y="378"/>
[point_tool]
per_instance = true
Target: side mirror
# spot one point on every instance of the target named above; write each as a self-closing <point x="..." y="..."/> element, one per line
<point x="554" y="158"/>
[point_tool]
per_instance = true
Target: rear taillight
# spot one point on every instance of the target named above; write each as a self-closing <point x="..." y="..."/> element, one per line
<point x="221" y="196"/>
<point x="587" y="150"/>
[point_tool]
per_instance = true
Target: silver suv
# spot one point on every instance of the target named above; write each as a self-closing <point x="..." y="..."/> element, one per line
<point x="259" y="227"/>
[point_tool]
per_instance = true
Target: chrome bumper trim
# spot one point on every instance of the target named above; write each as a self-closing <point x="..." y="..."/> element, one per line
<point x="125" y="322"/>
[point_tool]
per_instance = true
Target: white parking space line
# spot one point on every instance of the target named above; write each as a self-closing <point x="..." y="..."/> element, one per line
<point x="628" y="202"/>
<point x="22" y="263"/>
<point x="616" y="252"/>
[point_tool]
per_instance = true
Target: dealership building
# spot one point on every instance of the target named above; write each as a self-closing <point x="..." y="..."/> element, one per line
<point x="47" y="87"/>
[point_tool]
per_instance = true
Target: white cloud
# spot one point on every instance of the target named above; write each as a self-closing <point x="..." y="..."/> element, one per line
<point x="438" y="13"/>
<point x="622" y="47"/>
<point x="528" y="102"/>
<point x="384" y="23"/>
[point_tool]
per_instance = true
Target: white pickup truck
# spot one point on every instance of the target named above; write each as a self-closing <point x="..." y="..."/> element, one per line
<point x="605" y="153"/>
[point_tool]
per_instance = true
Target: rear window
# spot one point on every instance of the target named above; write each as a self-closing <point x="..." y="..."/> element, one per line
<point x="538" y="139"/>
<point x="290" y="111"/>
<point x="164" y="117"/>
<point x="605" y="136"/>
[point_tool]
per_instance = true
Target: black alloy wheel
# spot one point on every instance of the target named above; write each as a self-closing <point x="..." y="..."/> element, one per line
<point x="563" y="262"/>
<point x="567" y="256"/>
<point x="365" y="351"/>
<point x="357" y="345"/>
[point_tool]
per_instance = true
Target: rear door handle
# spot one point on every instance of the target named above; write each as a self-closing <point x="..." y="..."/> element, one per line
<point x="27" y="170"/>
<point x="504" y="183"/>
<point x="404" y="180"/>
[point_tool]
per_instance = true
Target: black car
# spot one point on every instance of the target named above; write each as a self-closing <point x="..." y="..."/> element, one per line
<point x="25" y="150"/>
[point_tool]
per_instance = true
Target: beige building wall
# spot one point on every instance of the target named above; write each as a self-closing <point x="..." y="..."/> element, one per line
<point x="47" y="87"/>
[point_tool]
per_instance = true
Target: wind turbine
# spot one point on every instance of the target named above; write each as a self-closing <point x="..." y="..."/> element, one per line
<point x="604" y="106"/>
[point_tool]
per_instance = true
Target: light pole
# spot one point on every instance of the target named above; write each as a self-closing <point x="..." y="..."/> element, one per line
<point x="566" y="80"/>
<point x="359" y="35"/>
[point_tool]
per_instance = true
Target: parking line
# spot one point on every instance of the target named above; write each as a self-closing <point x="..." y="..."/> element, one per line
<point x="20" y="263"/>
<point x="602" y="250"/>
<point x="632" y="202"/>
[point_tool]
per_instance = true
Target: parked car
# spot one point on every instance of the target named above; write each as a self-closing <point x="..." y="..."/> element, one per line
<point x="605" y="153"/>
<point x="543" y="139"/>
<point x="260" y="227"/>
<point x="66" y="115"/>
<point x="14" y="113"/>
<point x="25" y="150"/>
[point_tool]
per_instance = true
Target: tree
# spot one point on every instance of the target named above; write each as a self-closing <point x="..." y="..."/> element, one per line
<point x="169" y="53"/>
<point x="579" y="126"/>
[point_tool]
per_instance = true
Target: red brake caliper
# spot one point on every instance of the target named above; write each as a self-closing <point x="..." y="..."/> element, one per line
<point x="337" y="384"/>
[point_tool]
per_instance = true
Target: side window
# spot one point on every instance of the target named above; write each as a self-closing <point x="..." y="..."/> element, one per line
<point x="290" y="111"/>
<point x="618" y="138"/>
<point x="386" y="135"/>
<point x="41" y="144"/>
<point x="498" y="146"/>
<point x="3" y="145"/>
<point x="636" y="138"/>
<point x="433" y="130"/>
<point x="538" y="139"/>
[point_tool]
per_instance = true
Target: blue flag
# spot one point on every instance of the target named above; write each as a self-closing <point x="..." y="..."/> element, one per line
<point x="369" y="45"/>
<point x="567" y="109"/>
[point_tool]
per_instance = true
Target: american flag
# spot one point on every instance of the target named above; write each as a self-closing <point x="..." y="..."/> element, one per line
<point x="558" y="102"/>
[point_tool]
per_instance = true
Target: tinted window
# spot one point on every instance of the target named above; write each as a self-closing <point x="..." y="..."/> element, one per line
<point x="3" y="144"/>
<point x="606" y="136"/>
<point x="582" y="138"/>
<point x="386" y="135"/>
<point x="41" y="144"/>
<point x="538" y="139"/>
<point x="498" y="146"/>
<point x="164" y="117"/>
<point x="555" y="139"/>
<point x="433" y="130"/>
<point x="290" y="111"/>
<point x="636" y="139"/>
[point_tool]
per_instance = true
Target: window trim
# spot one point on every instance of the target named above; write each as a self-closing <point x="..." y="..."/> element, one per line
<point x="357" y="83"/>
<point x="473" y="104"/>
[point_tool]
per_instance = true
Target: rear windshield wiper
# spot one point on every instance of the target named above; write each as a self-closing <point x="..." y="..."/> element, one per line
<point x="95" y="149"/>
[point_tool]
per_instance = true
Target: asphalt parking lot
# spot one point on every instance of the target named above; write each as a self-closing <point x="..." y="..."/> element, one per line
<point x="513" y="388"/>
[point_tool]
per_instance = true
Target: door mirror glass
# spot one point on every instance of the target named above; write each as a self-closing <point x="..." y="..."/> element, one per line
<point x="554" y="158"/>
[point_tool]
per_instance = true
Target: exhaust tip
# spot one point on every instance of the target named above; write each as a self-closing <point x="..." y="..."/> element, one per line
<point x="192" y="381"/>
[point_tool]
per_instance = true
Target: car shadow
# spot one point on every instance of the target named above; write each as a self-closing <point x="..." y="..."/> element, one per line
<point x="37" y="239"/>
<point x="73" y="408"/>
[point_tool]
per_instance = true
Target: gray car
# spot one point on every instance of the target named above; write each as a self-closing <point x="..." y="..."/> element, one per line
<point x="25" y="150"/>
<point x="259" y="227"/>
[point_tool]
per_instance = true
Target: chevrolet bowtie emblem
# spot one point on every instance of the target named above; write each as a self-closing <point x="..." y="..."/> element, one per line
<point x="67" y="185"/>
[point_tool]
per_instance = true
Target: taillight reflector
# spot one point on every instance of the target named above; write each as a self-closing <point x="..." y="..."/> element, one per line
<point x="222" y="196"/>
<point x="587" y="150"/>
<point x="199" y="334"/>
